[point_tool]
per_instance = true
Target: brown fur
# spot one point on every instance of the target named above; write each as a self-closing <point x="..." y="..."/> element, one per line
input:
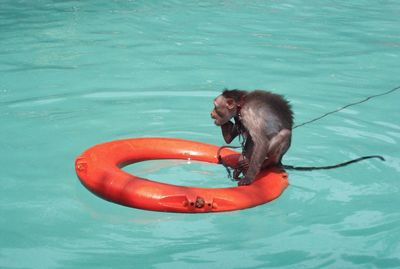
<point x="264" y="118"/>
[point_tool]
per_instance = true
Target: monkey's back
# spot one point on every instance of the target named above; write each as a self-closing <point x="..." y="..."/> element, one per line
<point x="271" y="107"/>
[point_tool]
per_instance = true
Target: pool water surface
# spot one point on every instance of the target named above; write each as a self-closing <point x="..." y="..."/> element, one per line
<point x="74" y="74"/>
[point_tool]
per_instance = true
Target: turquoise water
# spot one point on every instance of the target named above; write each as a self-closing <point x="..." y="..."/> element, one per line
<point x="74" y="74"/>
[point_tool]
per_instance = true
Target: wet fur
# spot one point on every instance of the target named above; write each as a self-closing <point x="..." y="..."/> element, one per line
<point x="266" y="111"/>
<point x="266" y="120"/>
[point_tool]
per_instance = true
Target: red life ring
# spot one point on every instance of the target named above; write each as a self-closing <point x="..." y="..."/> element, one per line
<point x="99" y="169"/>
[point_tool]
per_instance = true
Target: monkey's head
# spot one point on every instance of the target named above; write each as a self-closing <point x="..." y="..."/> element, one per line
<point x="224" y="110"/>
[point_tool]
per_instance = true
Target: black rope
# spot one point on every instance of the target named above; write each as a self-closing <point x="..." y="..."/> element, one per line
<point x="311" y="168"/>
<point x="346" y="106"/>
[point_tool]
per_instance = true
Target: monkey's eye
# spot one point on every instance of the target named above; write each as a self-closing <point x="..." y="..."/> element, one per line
<point x="219" y="113"/>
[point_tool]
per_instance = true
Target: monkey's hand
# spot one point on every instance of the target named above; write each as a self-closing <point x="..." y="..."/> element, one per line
<point x="241" y="167"/>
<point x="229" y="131"/>
<point x="243" y="164"/>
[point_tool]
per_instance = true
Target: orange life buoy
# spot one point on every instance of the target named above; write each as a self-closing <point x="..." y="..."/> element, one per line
<point x="99" y="169"/>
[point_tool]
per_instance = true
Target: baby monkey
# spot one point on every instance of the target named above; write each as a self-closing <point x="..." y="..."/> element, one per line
<point x="264" y="119"/>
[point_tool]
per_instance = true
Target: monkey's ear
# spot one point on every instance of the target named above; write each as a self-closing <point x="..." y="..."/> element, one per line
<point x="230" y="103"/>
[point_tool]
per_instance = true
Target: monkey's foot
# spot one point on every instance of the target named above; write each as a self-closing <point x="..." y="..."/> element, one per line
<point x="236" y="174"/>
<point x="244" y="182"/>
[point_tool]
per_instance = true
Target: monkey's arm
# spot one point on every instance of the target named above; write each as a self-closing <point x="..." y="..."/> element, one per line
<point x="255" y="118"/>
<point x="256" y="160"/>
<point x="229" y="131"/>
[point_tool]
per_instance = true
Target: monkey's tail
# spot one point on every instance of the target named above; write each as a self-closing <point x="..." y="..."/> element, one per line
<point x="311" y="168"/>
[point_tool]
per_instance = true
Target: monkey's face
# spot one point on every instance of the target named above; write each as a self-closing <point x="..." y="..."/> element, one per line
<point x="223" y="110"/>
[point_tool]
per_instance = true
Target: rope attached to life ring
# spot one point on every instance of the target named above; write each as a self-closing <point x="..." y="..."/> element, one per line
<point x="221" y="161"/>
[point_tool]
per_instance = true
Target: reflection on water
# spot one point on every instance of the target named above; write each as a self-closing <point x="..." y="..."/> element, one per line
<point x="182" y="172"/>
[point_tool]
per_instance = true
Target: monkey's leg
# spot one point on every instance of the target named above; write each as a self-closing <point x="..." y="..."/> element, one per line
<point x="278" y="146"/>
